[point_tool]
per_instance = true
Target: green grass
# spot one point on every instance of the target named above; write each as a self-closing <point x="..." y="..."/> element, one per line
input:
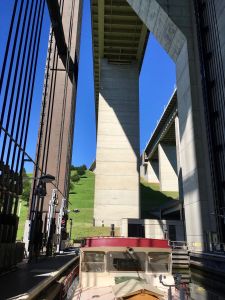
<point x="82" y="197"/>
<point x="23" y="215"/>
<point x="22" y="219"/>
<point x="151" y="197"/>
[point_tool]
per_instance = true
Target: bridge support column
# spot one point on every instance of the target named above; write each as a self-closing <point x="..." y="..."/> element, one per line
<point x="167" y="167"/>
<point x="178" y="37"/>
<point x="117" y="165"/>
<point x="149" y="171"/>
<point x="179" y="168"/>
<point x="153" y="171"/>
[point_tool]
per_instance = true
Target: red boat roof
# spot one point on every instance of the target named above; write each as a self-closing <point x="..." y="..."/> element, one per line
<point x="125" y="242"/>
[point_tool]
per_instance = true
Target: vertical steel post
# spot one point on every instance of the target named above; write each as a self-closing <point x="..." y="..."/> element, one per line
<point x="59" y="225"/>
<point x="51" y="222"/>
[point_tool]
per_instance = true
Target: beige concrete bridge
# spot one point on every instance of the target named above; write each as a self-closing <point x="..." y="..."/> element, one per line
<point x="160" y="161"/>
<point x="119" y="39"/>
<point x="191" y="32"/>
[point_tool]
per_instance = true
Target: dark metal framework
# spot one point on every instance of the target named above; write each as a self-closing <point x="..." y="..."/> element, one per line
<point x="17" y="79"/>
<point x="213" y="79"/>
<point x="59" y="50"/>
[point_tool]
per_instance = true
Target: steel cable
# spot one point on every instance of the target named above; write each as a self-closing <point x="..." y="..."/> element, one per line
<point x="13" y="89"/>
<point x="65" y="94"/>
<point x="11" y="64"/>
<point x="7" y="45"/>
<point x="22" y="102"/>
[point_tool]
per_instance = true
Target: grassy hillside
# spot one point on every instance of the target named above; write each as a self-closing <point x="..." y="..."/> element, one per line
<point x="82" y="197"/>
<point x="22" y="219"/>
<point x="23" y="207"/>
<point x="151" y="197"/>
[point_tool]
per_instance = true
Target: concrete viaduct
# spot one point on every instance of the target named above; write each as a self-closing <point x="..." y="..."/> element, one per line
<point x="160" y="161"/>
<point x="120" y="30"/>
<point x="192" y="33"/>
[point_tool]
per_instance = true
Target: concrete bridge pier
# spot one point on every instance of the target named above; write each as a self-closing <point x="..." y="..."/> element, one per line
<point x="153" y="171"/>
<point x="167" y="167"/>
<point x="117" y="158"/>
<point x="178" y="36"/>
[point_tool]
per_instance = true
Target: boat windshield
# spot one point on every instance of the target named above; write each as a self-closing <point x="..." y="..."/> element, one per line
<point x="124" y="261"/>
<point x="158" y="262"/>
<point x="93" y="262"/>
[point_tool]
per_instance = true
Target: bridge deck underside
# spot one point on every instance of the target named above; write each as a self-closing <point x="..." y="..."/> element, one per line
<point x="118" y="35"/>
<point x="165" y="130"/>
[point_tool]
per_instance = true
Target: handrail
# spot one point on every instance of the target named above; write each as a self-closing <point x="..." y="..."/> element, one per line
<point x="217" y="247"/>
<point x="34" y="292"/>
<point x="178" y="245"/>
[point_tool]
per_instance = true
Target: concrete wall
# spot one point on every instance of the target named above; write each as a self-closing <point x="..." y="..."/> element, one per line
<point x="143" y="171"/>
<point x="149" y="171"/>
<point x="167" y="167"/>
<point x="154" y="229"/>
<point x="158" y="229"/>
<point x="179" y="167"/>
<point x="153" y="171"/>
<point x="117" y="157"/>
<point x="172" y="23"/>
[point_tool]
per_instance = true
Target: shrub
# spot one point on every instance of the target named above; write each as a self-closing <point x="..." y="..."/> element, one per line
<point x="75" y="177"/>
<point x="80" y="171"/>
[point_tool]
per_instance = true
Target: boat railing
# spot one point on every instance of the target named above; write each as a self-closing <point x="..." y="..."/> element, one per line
<point x="178" y="245"/>
<point x="61" y="284"/>
<point x="217" y="248"/>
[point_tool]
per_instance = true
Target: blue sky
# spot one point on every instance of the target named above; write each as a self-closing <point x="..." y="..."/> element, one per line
<point x="157" y="81"/>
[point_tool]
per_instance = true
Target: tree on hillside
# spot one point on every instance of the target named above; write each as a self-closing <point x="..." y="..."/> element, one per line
<point x="75" y="177"/>
<point x="83" y="167"/>
<point x="80" y="172"/>
<point x="71" y="186"/>
<point x="76" y="173"/>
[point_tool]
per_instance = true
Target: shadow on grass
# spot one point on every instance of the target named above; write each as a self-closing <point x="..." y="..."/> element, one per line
<point x="151" y="199"/>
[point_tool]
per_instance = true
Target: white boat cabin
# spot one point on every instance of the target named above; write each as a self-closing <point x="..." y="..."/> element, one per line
<point x="121" y="265"/>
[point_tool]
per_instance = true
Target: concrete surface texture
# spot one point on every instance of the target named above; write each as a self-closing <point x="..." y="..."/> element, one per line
<point x="150" y="171"/>
<point x="153" y="171"/>
<point x="159" y="229"/>
<point x="155" y="229"/>
<point x="167" y="167"/>
<point x="171" y="22"/>
<point x="117" y="160"/>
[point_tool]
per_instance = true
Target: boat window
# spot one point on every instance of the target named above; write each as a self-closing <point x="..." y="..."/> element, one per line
<point x="93" y="262"/>
<point x="125" y="261"/>
<point x="158" y="262"/>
